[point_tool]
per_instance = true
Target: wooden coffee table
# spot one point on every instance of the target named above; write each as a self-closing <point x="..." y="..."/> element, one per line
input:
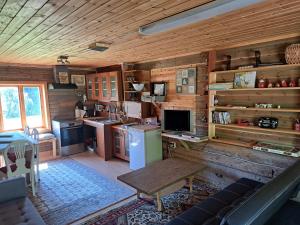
<point x="162" y="177"/>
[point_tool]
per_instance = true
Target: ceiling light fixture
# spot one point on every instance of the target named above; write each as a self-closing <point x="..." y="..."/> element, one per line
<point x="198" y="14"/>
<point x="63" y="59"/>
<point x="99" y="46"/>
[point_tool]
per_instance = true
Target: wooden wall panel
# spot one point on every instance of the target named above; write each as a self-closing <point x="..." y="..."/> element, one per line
<point x="61" y="102"/>
<point x="227" y="163"/>
<point x="165" y="71"/>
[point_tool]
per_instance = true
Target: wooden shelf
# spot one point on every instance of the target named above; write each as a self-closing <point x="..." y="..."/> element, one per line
<point x="253" y="128"/>
<point x="131" y="91"/>
<point x="261" y="89"/>
<point x="263" y="68"/>
<point x="137" y="81"/>
<point x="256" y="109"/>
<point x="133" y="71"/>
<point x="185" y="138"/>
<point x="233" y="142"/>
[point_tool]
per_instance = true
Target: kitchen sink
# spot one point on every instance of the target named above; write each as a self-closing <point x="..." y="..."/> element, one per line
<point x="103" y="120"/>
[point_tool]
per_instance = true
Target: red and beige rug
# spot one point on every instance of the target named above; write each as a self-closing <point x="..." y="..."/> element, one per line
<point x="142" y="212"/>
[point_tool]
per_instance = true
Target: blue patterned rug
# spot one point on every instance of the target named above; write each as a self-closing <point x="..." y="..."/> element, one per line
<point x="68" y="191"/>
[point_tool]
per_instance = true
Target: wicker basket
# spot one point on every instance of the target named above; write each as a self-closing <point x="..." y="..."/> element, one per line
<point x="292" y="54"/>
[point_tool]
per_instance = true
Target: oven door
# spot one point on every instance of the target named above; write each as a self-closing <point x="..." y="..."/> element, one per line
<point x="71" y="135"/>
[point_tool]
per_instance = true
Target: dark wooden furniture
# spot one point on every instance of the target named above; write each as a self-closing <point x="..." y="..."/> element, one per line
<point x="119" y="143"/>
<point x="162" y="177"/>
<point x="105" y="86"/>
<point x="104" y="137"/>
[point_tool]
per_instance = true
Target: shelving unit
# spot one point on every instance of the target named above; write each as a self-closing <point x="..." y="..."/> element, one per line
<point x="255" y="109"/>
<point x="135" y="76"/>
<point x="263" y="68"/>
<point x="240" y="103"/>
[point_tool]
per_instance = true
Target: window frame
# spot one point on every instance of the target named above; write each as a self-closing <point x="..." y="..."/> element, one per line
<point x="43" y="97"/>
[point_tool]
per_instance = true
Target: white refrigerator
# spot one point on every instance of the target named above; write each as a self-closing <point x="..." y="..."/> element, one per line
<point x="145" y="145"/>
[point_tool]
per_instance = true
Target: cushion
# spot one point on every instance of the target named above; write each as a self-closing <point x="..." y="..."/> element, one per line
<point x="19" y="212"/>
<point x="288" y="214"/>
<point x="212" y="210"/>
<point x="13" y="167"/>
<point x="260" y="207"/>
<point x="46" y="136"/>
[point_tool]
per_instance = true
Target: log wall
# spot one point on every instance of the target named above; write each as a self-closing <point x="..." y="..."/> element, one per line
<point x="224" y="163"/>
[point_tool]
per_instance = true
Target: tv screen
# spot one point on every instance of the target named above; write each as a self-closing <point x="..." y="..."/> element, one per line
<point x="177" y="120"/>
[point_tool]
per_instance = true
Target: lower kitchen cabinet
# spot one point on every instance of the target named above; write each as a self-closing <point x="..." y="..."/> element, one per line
<point x="120" y="143"/>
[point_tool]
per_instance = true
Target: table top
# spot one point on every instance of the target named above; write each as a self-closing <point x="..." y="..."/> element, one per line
<point x="8" y="137"/>
<point x="160" y="175"/>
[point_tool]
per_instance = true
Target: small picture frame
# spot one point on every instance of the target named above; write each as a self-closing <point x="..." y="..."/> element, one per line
<point x="244" y="80"/>
<point x="63" y="78"/>
<point x="179" y="89"/>
<point x="79" y="80"/>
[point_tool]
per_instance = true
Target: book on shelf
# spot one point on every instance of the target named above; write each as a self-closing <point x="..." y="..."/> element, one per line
<point x="221" y="86"/>
<point x="221" y="117"/>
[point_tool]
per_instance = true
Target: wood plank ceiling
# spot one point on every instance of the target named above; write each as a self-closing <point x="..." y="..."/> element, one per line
<point x="37" y="31"/>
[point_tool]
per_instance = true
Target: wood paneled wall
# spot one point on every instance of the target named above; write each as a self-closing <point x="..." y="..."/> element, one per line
<point x="61" y="102"/>
<point x="165" y="71"/>
<point x="224" y="163"/>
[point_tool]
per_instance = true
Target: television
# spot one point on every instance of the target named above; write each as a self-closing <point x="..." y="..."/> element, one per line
<point x="177" y="120"/>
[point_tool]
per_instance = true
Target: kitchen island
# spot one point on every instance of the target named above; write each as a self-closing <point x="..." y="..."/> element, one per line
<point x="103" y="135"/>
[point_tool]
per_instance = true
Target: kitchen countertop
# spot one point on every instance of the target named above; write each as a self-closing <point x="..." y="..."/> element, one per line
<point x="145" y="128"/>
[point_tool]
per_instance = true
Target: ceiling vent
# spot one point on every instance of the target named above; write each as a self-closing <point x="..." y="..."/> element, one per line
<point x="99" y="46"/>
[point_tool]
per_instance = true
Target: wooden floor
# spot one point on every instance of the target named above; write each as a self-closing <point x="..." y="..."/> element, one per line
<point x="110" y="169"/>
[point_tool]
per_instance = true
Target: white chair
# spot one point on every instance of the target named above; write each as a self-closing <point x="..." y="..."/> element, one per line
<point x="35" y="140"/>
<point x="23" y="164"/>
<point x="27" y="131"/>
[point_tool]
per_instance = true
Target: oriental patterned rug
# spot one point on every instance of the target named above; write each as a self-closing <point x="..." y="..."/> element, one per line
<point x="142" y="212"/>
<point x="68" y="191"/>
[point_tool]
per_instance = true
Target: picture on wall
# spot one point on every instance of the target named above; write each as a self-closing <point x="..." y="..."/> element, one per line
<point x="63" y="77"/>
<point x="79" y="80"/>
<point x="244" y="80"/>
<point x="186" y="81"/>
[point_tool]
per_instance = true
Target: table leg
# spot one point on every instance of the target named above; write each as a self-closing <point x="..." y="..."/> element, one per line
<point x="54" y="147"/>
<point x="159" y="202"/>
<point x="37" y="149"/>
<point x="191" y="178"/>
<point x="138" y="194"/>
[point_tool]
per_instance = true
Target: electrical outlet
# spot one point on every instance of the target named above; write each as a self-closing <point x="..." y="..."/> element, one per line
<point x="172" y="145"/>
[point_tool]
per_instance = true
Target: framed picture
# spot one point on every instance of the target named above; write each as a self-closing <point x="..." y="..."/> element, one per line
<point x="244" y="80"/>
<point x="186" y="81"/>
<point x="63" y="77"/>
<point x="79" y="80"/>
<point x="179" y="89"/>
<point x="158" y="89"/>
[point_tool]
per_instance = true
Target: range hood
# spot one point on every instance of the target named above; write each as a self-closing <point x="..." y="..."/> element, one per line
<point x="57" y="70"/>
<point x="53" y="86"/>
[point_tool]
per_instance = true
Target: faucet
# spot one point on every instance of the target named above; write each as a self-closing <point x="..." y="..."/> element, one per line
<point x="109" y="113"/>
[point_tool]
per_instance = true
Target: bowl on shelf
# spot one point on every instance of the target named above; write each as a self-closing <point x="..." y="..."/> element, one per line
<point x="138" y="86"/>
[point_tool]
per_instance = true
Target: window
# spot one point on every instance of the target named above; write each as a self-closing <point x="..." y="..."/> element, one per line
<point x="23" y="104"/>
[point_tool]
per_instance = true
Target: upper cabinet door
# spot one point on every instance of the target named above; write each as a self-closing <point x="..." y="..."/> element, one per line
<point x="91" y="87"/>
<point x="105" y="93"/>
<point x="96" y="93"/>
<point x="113" y="81"/>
